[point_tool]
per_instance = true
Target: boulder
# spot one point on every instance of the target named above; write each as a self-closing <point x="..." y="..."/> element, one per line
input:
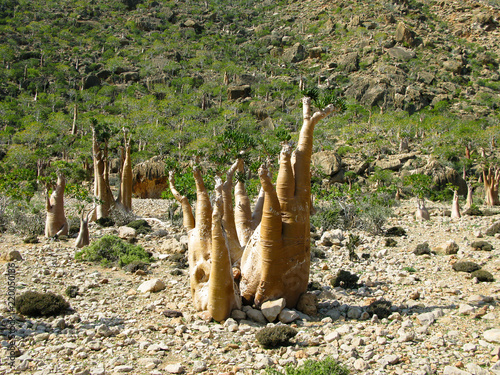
<point x="401" y="53"/>
<point x="127" y="233"/>
<point x="448" y="248"/>
<point x="328" y="162"/>
<point x="294" y="54"/>
<point x="238" y="92"/>
<point x="149" y="178"/>
<point x="493" y="229"/>
<point x="349" y="62"/>
<point x="404" y="35"/>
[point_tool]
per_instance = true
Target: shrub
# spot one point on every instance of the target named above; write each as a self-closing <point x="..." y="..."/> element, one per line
<point x="36" y="304"/>
<point x="381" y="308"/>
<point x="481" y="245"/>
<point x="395" y="232"/>
<point x="273" y="337"/>
<point x="105" y="222"/>
<point x="466" y="266"/>
<point x="391" y="242"/>
<point x="345" y="279"/>
<point x="110" y="250"/>
<point x="327" y="366"/>
<point x="136" y="265"/>
<point x="483" y="276"/>
<point x="141" y="226"/>
<point x="409" y="269"/>
<point x="31" y="239"/>
<point x="314" y="285"/>
<point x="71" y="291"/>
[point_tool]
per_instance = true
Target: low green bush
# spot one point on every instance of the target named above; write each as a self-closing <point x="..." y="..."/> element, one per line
<point x="71" y="291"/>
<point x="110" y="250"/>
<point x="483" y="276"/>
<point x="273" y="337"/>
<point x="466" y="266"/>
<point x="105" y="222"/>
<point x="37" y="304"/>
<point x="141" y="226"/>
<point x="327" y="366"/>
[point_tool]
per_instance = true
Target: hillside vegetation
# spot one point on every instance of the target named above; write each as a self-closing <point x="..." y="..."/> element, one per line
<point x="211" y="79"/>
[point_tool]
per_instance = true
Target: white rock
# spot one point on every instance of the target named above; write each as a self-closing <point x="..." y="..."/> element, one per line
<point x="332" y="336"/>
<point x="199" y="366"/>
<point x="469" y="348"/>
<point x="98" y="371"/>
<point x="256" y="316"/>
<point x="450" y="370"/>
<point x="360" y="364"/>
<point x="476" y="370"/>
<point x="127" y="233"/>
<point x="426" y="318"/>
<point x="175" y="368"/>
<point x="103" y="330"/>
<point x="492" y="335"/>
<point x="465" y="309"/>
<point x="271" y="309"/>
<point x="153" y="285"/>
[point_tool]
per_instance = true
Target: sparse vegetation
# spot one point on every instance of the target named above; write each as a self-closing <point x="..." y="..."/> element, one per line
<point x="327" y="366"/>
<point x="276" y="336"/>
<point x="35" y="304"/>
<point x="109" y="250"/>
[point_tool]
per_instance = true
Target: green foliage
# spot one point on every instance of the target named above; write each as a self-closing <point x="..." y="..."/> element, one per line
<point x="420" y="184"/>
<point x="105" y="222"/>
<point x="409" y="269"/>
<point x="141" y="226"/>
<point x="276" y="336"/>
<point x="35" y="304"/>
<point x="327" y="366"/>
<point x="483" y="276"/>
<point x="110" y="250"/>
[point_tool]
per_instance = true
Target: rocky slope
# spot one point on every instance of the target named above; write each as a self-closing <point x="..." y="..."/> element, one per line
<point x="440" y="321"/>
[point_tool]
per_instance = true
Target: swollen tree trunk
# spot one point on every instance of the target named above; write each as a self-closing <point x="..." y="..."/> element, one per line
<point x="422" y="213"/>
<point x="125" y="193"/>
<point x="491" y="180"/>
<point x="469" y="201"/>
<point x="83" y="238"/>
<point x="276" y="259"/>
<point x="102" y="189"/>
<point x="56" y="223"/>
<point x="455" y="208"/>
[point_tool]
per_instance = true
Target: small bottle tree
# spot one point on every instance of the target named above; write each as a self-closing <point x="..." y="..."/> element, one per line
<point x="420" y="187"/>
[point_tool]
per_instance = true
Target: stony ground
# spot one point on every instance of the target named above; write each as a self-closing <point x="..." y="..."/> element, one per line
<point x="442" y="321"/>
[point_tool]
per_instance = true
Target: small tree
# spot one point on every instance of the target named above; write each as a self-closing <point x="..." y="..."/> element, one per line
<point x="420" y="187"/>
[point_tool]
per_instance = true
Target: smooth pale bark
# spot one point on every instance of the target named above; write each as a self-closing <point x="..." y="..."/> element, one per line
<point x="223" y="296"/>
<point x="284" y="269"/>
<point x="491" y="180"/>
<point x="422" y="213"/>
<point x="102" y="189"/>
<point x="455" y="207"/>
<point x="83" y="238"/>
<point x="56" y="223"/>
<point x="469" y="200"/>
<point x="125" y="192"/>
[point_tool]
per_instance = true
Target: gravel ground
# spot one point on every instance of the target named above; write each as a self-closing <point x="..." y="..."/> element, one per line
<point x="440" y="321"/>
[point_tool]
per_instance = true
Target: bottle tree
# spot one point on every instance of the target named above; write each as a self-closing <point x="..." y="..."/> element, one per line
<point x="276" y="260"/>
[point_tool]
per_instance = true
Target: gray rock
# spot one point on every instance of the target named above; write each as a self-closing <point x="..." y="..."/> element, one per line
<point x="124" y="368"/>
<point x="175" y="368"/>
<point x="256" y="316"/>
<point x="476" y="370"/>
<point x="354" y="312"/>
<point x="199" y="366"/>
<point x="426" y="318"/>
<point x="401" y="53"/>
<point x="493" y="229"/>
<point x="287" y="316"/>
<point x="465" y="309"/>
<point x="329" y="162"/>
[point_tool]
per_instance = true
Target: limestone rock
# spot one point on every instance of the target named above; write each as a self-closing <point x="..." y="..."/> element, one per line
<point x="329" y="162"/>
<point x="448" y="248"/>
<point x="127" y="233"/>
<point x="287" y="316"/>
<point x="492" y="335"/>
<point x="153" y="285"/>
<point x="271" y="309"/>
